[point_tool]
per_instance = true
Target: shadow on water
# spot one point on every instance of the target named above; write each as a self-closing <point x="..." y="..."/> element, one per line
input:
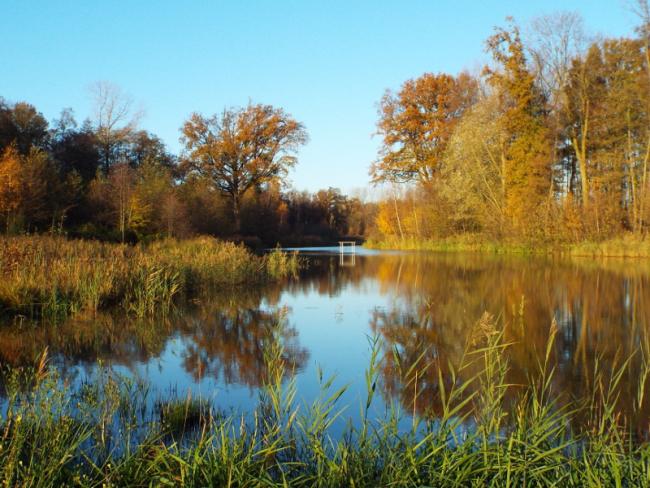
<point x="422" y="306"/>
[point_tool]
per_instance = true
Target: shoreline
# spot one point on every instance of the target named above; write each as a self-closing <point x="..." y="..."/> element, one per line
<point x="627" y="246"/>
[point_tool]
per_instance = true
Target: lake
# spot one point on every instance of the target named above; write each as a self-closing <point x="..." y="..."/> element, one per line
<point x="422" y="308"/>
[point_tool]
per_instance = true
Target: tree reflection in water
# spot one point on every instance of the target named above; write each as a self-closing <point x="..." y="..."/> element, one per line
<point x="230" y="346"/>
<point x="426" y="308"/>
<point x="602" y="311"/>
<point x="224" y="337"/>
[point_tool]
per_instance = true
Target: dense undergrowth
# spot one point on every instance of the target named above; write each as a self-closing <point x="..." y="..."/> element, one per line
<point x="52" y="277"/>
<point x="96" y="436"/>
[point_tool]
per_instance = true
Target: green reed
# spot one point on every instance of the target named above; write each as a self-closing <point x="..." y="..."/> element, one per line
<point x="52" y="277"/>
<point x="282" y="264"/>
<point x="99" y="436"/>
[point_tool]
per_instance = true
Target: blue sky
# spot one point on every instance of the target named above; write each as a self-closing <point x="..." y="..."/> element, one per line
<point x="325" y="62"/>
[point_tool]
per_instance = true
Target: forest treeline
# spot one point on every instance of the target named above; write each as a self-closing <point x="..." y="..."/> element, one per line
<point x="550" y="143"/>
<point x="106" y="178"/>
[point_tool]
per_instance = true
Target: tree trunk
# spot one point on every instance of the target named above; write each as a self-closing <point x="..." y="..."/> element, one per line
<point x="236" y="212"/>
<point x="399" y="221"/>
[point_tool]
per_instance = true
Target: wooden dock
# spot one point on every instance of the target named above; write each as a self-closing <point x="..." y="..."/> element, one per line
<point x="344" y="244"/>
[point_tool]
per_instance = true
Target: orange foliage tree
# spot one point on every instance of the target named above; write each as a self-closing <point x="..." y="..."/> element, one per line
<point x="241" y="149"/>
<point x="416" y="124"/>
<point x="10" y="183"/>
<point x="526" y="163"/>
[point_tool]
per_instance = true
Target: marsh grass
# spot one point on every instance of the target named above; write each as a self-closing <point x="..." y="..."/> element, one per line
<point x="281" y="264"/>
<point x="178" y="416"/>
<point x="462" y="243"/>
<point x="49" y="437"/>
<point x="52" y="277"/>
<point x="624" y="246"/>
<point x="627" y="246"/>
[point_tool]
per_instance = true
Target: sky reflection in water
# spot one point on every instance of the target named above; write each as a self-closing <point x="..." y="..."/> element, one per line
<point x="418" y="304"/>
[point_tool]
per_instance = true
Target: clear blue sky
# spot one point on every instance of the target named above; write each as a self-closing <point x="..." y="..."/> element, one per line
<point x="325" y="62"/>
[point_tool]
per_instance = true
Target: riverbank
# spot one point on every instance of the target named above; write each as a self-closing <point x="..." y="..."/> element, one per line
<point x="628" y="246"/>
<point x="99" y="436"/>
<point x="53" y="277"/>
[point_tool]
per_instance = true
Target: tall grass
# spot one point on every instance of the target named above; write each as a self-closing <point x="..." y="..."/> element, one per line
<point x="52" y="277"/>
<point x="461" y="243"/>
<point x="627" y="245"/>
<point x="280" y="264"/>
<point x="53" y="437"/>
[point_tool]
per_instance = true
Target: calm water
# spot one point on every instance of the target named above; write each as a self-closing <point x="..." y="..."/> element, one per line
<point x="420" y="305"/>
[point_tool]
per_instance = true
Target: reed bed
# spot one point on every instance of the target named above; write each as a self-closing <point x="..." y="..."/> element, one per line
<point x="50" y="436"/>
<point x="624" y="246"/>
<point x="462" y="243"/>
<point x="52" y="277"/>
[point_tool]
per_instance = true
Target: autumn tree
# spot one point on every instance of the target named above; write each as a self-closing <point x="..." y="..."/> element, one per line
<point x="643" y="30"/>
<point x="241" y="149"/>
<point x="583" y="115"/>
<point x="116" y="203"/>
<point x="10" y="184"/>
<point x="473" y="176"/>
<point x="31" y="194"/>
<point x="526" y="152"/>
<point x="625" y="145"/>
<point x="42" y="196"/>
<point x="416" y="124"/>
<point x="21" y="124"/>
<point x="606" y="118"/>
<point x="161" y="211"/>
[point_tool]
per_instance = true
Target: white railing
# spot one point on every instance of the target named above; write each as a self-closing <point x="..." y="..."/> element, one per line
<point x="344" y="244"/>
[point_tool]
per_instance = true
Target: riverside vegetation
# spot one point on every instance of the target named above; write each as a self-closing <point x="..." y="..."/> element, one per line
<point x="547" y="147"/>
<point x="624" y="246"/>
<point x="106" y="433"/>
<point x="52" y="277"/>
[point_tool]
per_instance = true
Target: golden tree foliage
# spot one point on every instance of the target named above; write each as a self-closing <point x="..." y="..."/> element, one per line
<point x="30" y="190"/>
<point x="10" y="182"/>
<point x="416" y="124"/>
<point x="241" y="149"/>
<point x="556" y="149"/>
<point x="474" y="169"/>
<point x="607" y="118"/>
<point x="526" y="167"/>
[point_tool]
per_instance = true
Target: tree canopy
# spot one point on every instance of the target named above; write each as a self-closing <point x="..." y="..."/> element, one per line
<point x="241" y="149"/>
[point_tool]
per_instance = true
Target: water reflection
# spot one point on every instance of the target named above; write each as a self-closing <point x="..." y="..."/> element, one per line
<point x="601" y="312"/>
<point x="423" y="306"/>
<point x="229" y="345"/>
<point x="223" y="338"/>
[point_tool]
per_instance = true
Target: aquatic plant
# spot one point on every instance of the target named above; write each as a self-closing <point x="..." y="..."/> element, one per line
<point x="52" y="277"/>
<point x="50" y="437"/>
<point x="282" y="264"/>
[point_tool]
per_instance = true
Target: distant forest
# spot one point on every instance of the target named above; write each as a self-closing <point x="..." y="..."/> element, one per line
<point x="107" y="179"/>
<point x="549" y="143"/>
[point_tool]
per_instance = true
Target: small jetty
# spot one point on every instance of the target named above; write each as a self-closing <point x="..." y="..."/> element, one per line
<point x="347" y="253"/>
<point x="352" y="245"/>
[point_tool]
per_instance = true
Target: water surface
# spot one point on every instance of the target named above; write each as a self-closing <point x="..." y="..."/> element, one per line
<point x="422" y="306"/>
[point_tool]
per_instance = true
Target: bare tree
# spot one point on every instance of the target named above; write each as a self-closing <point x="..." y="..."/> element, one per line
<point x="115" y="119"/>
<point x="554" y="41"/>
<point x="641" y="8"/>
